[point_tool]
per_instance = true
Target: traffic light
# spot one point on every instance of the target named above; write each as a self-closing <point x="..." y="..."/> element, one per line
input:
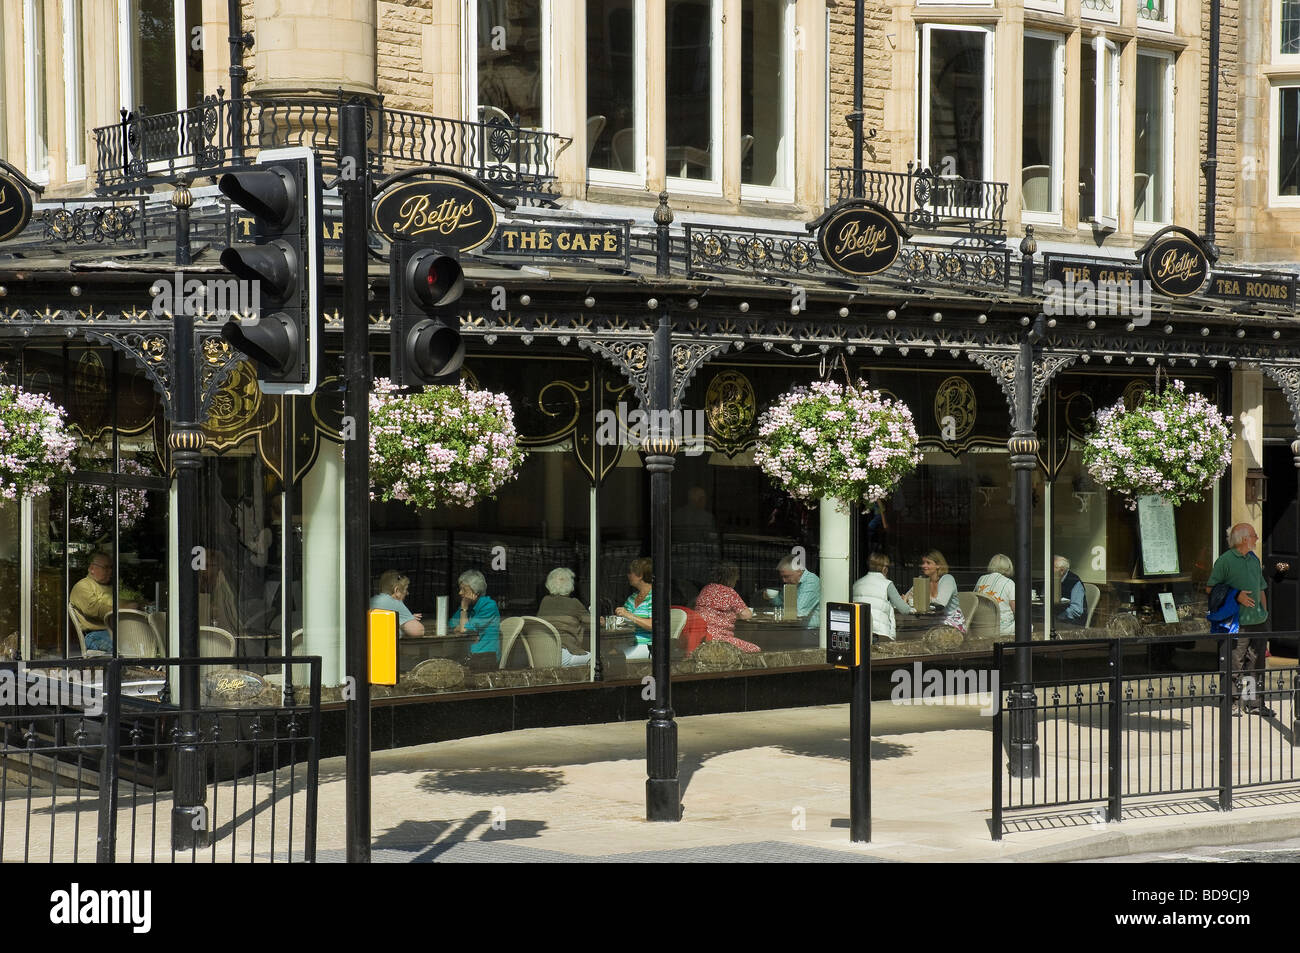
<point x="424" y="283"/>
<point x="283" y="193"/>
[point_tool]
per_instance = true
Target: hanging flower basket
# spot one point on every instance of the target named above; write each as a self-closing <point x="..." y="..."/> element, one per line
<point x="35" y="445"/>
<point x="1174" y="445"/>
<point x="442" y="446"/>
<point x="833" y="441"/>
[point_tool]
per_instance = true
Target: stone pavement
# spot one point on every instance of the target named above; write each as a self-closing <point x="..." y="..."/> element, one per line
<point x="756" y="786"/>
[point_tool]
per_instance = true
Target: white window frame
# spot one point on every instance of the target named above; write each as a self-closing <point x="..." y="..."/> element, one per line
<point x="74" y="95"/>
<point x="954" y="3"/>
<point x="31" y="81"/>
<point x="713" y="184"/>
<point x="1102" y="16"/>
<point x="1166" y="215"/>
<point x="469" y="59"/>
<point x="1046" y="6"/>
<point x="1275" y="40"/>
<point x="635" y="178"/>
<point x="1103" y="137"/>
<point x="923" y="114"/>
<point x="785" y="156"/>
<point x="1159" y="26"/>
<point x="1057" y="177"/>
<point x="1274" y="113"/>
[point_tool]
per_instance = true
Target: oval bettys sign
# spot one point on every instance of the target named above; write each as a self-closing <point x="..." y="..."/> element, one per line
<point x="860" y="240"/>
<point x="437" y="212"/>
<point x="15" y="206"/>
<point x="1175" y="265"/>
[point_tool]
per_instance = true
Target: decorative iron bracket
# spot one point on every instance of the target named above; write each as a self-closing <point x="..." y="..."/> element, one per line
<point x="630" y="357"/>
<point x="152" y="350"/>
<point x="1002" y="364"/>
<point x="1287" y="378"/>
<point x="217" y="359"/>
<point x="688" y="358"/>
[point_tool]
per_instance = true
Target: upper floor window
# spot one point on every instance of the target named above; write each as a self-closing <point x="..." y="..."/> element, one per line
<point x="37" y="111"/>
<point x="767" y="82"/>
<point x="1042" y="127"/>
<point x="1153" y="152"/>
<point x="509" y="39"/>
<point x="1099" y="134"/>
<point x="74" y="95"/>
<point x="616" y="89"/>
<point x="160" y="54"/>
<point x="1107" y="10"/>
<point x="1284" y="131"/>
<point x="956" y="96"/>
<point x="1156" y="14"/>
<point x="693" y="80"/>
<point x="1286" y="30"/>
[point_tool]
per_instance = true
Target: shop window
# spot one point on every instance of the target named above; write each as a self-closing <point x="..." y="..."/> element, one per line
<point x="1285" y="134"/>
<point x="693" y="94"/>
<point x="1153" y="151"/>
<point x="74" y="90"/>
<point x="509" y="60"/>
<point x="37" y="115"/>
<point x="616" y="90"/>
<point x="1040" y="175"/>
<point x="956" y="115"/>
<point x="767" y="110"/>
<point x="1099" y="135"/>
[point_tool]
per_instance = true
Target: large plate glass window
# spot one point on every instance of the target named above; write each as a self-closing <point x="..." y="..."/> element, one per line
<point x="1153" y="154"/>
<point x="37" y="113"/>
<point x="1040" y="174"/>
<point x="1099" y="134"/>
<point x="1284" y="172"/>
<point x="616" y="90"/>
<point x="693" y="80"/>
<point x="509" y="51"/>
<point x="767" y="79"/>
<point x="160" y="67"/>
<point x="956" y="100"/>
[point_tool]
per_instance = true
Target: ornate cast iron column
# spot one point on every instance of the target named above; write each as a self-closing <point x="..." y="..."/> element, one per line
<point x="662" y="792"/>
<point x="189" y="816"/>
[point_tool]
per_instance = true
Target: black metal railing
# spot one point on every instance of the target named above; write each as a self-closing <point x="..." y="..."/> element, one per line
<point x="1142" y="718"/>
<point x="925" y="201"/>
<point x="222" y="133"/>
<point x="89" y="759"/>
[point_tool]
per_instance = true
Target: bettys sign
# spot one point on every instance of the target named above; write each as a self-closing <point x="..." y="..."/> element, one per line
<point x="1176" y="261"/>
<point x="436" y="211"/>
<point x="860" y="238"/>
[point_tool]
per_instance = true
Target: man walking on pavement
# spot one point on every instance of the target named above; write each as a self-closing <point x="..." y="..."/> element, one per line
<point x="1240" y="568"/>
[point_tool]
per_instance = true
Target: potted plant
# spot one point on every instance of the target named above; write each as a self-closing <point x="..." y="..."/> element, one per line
<point x="441" y="446"/>
<point x="828" y="440"/>
<point x="1172" y="444"/>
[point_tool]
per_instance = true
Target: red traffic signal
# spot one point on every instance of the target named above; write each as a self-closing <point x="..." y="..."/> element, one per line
<point x="425" y="344"/>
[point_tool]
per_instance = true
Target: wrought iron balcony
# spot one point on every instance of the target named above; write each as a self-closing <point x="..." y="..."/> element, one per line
<point x="142" y="150"/>
<point x="924" y="201"/>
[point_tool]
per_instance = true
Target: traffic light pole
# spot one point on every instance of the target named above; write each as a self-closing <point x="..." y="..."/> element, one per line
<point x="356" y="480"/>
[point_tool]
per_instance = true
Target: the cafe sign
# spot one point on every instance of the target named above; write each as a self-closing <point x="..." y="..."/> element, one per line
<point x="15" y="205"/>
<point x="860" y="238"/>
<point x="1176" y="262"/>
<point x="436" y="211"/>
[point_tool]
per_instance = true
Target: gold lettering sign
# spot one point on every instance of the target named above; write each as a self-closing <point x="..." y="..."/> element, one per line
<point x="1275" y="290"/>
<point x="438" y="212"/>
<point x="15" y="206"/>
<point x="551" y="240"/>
<point x="860" y="239"/>
<point x="1175" y="264"/>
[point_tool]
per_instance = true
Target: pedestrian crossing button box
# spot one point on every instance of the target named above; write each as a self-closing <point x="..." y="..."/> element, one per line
<point x="847" y="623"/>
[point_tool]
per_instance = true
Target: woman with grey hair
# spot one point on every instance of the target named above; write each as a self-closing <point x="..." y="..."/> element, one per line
<point x="997" y="585"/>
<point x="478" y="615"/>
<point x="569" y="617"/>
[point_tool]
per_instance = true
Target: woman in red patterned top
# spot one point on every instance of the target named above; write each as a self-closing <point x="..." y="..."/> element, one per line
<point x="721" y="606"/>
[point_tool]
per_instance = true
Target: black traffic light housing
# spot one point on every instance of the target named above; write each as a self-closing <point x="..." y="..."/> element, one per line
<point x="285" y="259"/>
<point x="425" y="283"/>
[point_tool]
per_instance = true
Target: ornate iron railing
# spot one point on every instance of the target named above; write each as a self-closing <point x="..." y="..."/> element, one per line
<point x="141" y="150"/>
<point x="925" y="201"/>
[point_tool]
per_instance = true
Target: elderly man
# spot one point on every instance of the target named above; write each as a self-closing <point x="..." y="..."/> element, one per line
<point x="92" y="596"/>
<point x="1240" y="568"/>
<point x="809" y="596"/>
<point x="1074" y="598"/>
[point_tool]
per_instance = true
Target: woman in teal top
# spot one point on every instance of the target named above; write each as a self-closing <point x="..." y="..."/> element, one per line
<point x="637" y="609"/>
<point x="478" y="615"/>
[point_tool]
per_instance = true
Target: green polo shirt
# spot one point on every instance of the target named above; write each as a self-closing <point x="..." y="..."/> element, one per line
<point x="1244" y="573"/>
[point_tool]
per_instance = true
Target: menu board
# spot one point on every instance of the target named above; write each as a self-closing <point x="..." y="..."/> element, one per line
<point x="1159" y="537"/>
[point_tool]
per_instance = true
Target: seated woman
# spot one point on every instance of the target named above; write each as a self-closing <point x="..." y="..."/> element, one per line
<point x="640" y="576"/>
<point x="569" y="616"/>
<point x="998" y="586"/>
<point x="720" y="606"/>
<point x="478" y="615"/>
<point x="393" y="589"/>
<point x="877" y="591"/>
<point x="943" y="589"/>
